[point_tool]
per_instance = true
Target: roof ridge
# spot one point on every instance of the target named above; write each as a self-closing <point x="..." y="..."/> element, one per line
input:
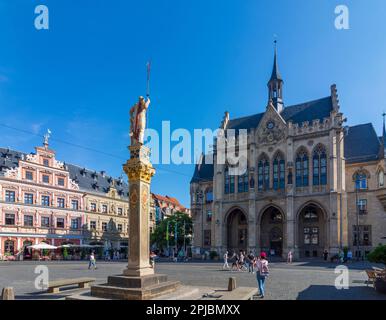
<point x="308" y="102"/>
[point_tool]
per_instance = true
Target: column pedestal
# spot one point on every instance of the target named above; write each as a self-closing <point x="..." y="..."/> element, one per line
<point x="138" y="281"/>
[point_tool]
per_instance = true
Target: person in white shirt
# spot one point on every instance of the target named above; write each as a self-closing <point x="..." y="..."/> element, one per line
<point x="226" y="265"/>
<point x="289" y="257"/>
<point x="92" y="262"/>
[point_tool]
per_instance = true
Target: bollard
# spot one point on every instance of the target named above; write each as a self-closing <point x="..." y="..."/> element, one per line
<point x="8" y="294"/>
<point x="232" y="284"/>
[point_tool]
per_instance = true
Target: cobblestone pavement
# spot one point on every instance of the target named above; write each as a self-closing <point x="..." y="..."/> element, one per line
<point x="300" y="280"/>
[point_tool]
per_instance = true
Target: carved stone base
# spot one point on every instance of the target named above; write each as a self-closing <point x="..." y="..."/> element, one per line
<point x="123" y="287"/>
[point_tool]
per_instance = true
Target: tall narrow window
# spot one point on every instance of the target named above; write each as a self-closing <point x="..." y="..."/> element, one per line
<point x="226" y="182"/>
<point x="243" y="183"/>
<point x="263" y="174"/>
<point x="278" y="172"/>
<point x="229" y="183"/>
<point x="381" y="179"/>
<point x="319" y="162"/>
<point x="302" y="169"/>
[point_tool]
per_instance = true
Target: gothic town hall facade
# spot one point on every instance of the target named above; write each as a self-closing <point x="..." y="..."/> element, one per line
<point x="312" y="183"/>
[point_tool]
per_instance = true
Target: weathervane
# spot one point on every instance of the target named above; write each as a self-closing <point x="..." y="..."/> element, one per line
<point x="46" y="138"/>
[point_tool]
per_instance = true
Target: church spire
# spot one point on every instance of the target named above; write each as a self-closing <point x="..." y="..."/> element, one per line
<point x="275" y="85"/>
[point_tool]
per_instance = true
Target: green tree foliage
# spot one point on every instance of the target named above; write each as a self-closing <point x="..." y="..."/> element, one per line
<point x="378" y="255"/>
<point x="159" y="236"/>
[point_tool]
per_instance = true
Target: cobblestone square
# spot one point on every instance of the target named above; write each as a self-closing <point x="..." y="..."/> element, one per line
<point x="298" y="281"/>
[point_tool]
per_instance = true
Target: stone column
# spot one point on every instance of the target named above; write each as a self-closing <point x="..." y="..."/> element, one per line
<point x="139" y="171"/>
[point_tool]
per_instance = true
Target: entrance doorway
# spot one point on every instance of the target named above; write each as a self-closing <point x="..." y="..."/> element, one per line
<point x="271" y="232"/>
<point x="237" y="231"/>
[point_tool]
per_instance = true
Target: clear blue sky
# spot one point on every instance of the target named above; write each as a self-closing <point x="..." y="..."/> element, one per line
<point x="80" y="77"/>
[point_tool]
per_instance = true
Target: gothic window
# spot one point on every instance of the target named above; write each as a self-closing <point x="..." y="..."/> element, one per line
<point x="360" y="179"/>
<point x="243" y="183"/>
<point x="278" y="172"/>
<point x="276" y="216"/>
<point x="381" y="179"/>
<point x="302" y="169"/>
<point x="229" y="183"/>
<point x="319" y="161"/>
<point x="263" y="173"/>
<point x="310" y="214"/>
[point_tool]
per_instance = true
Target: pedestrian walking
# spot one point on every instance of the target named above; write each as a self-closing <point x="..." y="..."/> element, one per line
<point x="251" y="258"/>
<point x="325" y="255"/>
<point x="92" y="261"/>
<point x="349" y="256"/>
<point x="262" y="272"/>
<point x="289" y="257"/>
<point x="152" y="259"/>
<point x="225" y="265"/>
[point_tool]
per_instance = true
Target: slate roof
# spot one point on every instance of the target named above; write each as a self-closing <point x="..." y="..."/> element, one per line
<point x="202" y="172"/>
<point x="88" y="180"/>
<point x="308" y="111"/>
<point x="362" y="144"/>
<point x="96" y="182"/>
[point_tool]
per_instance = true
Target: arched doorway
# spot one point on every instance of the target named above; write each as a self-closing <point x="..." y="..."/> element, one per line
<point x="311" y="231"/>
<point x="271" y="231"/>
<point x="237" y="230"/>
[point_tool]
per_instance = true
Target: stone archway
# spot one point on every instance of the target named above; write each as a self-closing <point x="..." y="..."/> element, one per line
<point x="272" y="231"/>
<point x="237" y="230"/>
<point x="312" y="231"/>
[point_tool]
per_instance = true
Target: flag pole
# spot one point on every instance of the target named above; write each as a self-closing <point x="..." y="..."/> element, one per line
<point x="148" y="66"/>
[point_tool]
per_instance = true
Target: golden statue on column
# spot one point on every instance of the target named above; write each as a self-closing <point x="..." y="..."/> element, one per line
<point x="138" y="120"/>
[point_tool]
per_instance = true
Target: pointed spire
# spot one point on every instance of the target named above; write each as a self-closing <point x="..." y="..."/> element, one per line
<point x="275" y="71"/>
<point x="275" y="86"/>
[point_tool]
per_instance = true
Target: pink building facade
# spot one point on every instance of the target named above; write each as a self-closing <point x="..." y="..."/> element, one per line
<point x="39" y="202"/>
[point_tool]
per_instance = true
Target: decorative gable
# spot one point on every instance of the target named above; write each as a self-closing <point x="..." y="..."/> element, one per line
<point x="272" y="127"/>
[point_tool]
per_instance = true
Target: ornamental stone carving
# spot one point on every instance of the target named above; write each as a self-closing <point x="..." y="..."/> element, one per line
<point x="271" y="132"/>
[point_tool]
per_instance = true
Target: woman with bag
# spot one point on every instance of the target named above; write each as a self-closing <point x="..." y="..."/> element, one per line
<point x="262" y="272"/>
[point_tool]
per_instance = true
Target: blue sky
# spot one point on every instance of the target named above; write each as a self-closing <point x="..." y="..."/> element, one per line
<point x="80" y="77"/>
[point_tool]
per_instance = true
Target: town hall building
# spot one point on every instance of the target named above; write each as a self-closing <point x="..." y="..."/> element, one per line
<point x="312" y="183"/>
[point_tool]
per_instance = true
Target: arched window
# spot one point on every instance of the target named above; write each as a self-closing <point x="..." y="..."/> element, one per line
<point x="381" y="178"/>
<point x="242" y="183"/>
<point x="278" y="172"/>
<point x="229" y="183"/>
<point x="360" y="179"/>
<point x="302" y="168"/>
<point x="263" y="173"/>
<point x="319" y="163"/>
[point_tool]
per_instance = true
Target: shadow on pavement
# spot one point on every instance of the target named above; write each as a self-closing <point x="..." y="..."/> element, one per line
<point x="322" y="292"/>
